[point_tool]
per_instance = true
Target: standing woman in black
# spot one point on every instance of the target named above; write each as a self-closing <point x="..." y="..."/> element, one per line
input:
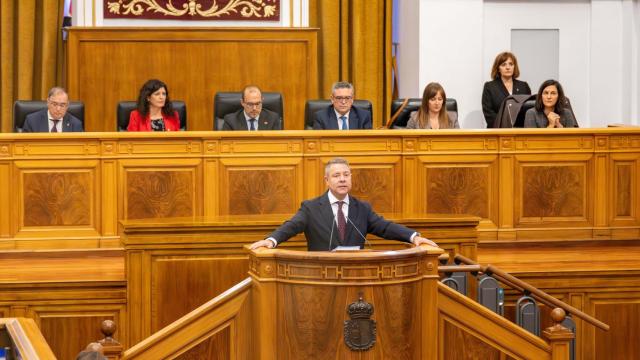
<point x="504" y="73"/>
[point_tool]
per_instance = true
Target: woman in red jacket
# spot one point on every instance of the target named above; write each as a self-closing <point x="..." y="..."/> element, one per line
<point x="154" y="112"/>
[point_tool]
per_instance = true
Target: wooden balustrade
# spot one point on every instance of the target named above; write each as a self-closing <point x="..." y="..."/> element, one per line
<point x="522" y="286"/>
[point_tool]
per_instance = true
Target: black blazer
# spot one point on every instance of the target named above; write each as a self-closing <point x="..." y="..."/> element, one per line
<point x="268" y="120"/>
<point x="39" y="122"/>
<point x="493" y="95"/>
<point x="315" y="219"/>
<point x="326" y="119"/>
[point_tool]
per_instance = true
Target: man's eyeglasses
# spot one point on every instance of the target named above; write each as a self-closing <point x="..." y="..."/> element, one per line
<point x="253" y="105"/>
<point x="57" y="104"/>
<point x="343" y="98"/>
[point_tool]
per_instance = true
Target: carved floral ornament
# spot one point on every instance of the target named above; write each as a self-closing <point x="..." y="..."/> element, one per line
<point x="193" y="9"/>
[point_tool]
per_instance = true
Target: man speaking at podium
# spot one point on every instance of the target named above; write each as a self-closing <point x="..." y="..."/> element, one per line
<point x="337" y="219"/>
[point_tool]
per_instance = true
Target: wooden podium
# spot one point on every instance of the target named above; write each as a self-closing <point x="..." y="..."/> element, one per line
<point x="345" y="305"/>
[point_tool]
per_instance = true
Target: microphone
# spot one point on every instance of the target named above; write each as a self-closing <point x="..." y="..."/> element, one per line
<point x="333" y="221"/>
<point x="359" y="233"/>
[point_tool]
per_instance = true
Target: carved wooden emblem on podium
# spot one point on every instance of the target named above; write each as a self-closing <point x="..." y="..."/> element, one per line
<point x="360" y="331"/>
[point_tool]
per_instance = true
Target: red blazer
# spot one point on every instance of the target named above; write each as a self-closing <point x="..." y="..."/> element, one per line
<point x="138" y="123"/>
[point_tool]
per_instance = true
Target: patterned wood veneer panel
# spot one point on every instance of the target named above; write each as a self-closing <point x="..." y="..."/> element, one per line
<point x="57" y="198"/>
<point x="623" y="187"/>
<point x="254" y="191"/>
<point x="181" y="284"/>
<point x="397" y="323"/>
<point x="214" y="347"/>
<point x="620" y="342"/>
<point x="377" y="186"/>
<point x="553" y="191"/>
<point x="69" y="334"/>
<point x="458" y="190"/>
<point x="460" y="345"/>
<point x="310" y="310"/>
<point x="159" y="194"/>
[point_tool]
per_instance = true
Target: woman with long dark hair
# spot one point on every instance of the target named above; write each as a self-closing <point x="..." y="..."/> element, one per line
<point x="154" y="112"/>
<point x="552" y="109"/>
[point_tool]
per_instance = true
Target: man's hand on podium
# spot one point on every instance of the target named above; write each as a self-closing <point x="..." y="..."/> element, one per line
<point x="419" y="240"/>
<point x="262" y="243"/>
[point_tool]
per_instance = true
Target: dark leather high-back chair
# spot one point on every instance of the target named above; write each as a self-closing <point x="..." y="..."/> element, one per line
<point x="22" y="108"/>
<point x="413" y="105"/>
<point x="528" y="104"/>
<point x="229" y="102"/>
<point x="313" y="106"/>
<point x="126" y="107"/>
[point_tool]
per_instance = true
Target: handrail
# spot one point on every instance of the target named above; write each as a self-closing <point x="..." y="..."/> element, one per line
<point x="539" y="294"/>
<point x="459" y="268"/>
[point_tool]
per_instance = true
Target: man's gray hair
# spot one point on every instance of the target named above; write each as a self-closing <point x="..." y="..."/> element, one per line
<point x="56" y="90"/>
<point x="341" y="85"/>
<point x="333" y="162"/>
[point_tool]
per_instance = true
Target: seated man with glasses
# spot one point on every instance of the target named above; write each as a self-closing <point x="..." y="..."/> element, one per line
<point x="252" y="116"/>
<point x="342" y="115"/>
<point x="55" y="117"/>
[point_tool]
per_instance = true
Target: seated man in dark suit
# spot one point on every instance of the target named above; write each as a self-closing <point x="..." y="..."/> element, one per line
<point x="328" y="223"/>
<point x="55" y="118"/>
<point x="252" y="116"/>
<point x="342" y="115"/>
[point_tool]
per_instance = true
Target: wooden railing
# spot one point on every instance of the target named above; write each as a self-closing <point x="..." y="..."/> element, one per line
<point x="26" y="340"/>
<point x="484" y="319"/>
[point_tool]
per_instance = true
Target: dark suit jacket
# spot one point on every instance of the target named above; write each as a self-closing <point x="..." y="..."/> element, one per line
<point x="268" y="120"/>
<point x="494" y="93"/>
<point x="39" y="122"/>
<point x="327" y="119"/>
<point x="315" y="219"/>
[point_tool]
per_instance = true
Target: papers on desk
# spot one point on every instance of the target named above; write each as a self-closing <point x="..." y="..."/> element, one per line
<point x="346" y="248"/>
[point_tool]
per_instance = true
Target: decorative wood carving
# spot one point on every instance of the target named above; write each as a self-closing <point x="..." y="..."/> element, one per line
<point x="458" y="190"/>
<point x="253" y="191"/>
<point x="553" y="191"/>
<point x="346" y="273"/>
<point x="623" y="189"/>
<point x="57" y="198"/>
<point x="377" y="186"/>
<point x="215" y="347"/>
<point x="159" y="194"/>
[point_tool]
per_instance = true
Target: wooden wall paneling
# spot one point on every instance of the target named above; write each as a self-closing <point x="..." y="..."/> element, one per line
<point x="577" y="300"/>
<point x="459" y="185"/>
<point x="138" y="296"/>
<point x="69" y="328"/>
<point x="409" y="172"/>
<point x="57" y="199"/>
<point x="506" y="221"/>
<point x="182" y="282"/>
<point x="621" y="310"/>
<point x="217" y="346"/>
<point x="622" y="196"/>
<point x="555" y="190"/>
<point x="248" y="186"/>
<point x="109" y="208"/>
<point x="210" y="172"/>
<point x="160" y="188"/>
<point x="6" y="188"/>
<point x="220" y="59"/>
<point x="378" y="180"/>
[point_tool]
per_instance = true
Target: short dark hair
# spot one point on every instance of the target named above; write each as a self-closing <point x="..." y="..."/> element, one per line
<point x="500" y="58"/>
<point x="149" y="88"/>
<point x="562" y="102"/>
